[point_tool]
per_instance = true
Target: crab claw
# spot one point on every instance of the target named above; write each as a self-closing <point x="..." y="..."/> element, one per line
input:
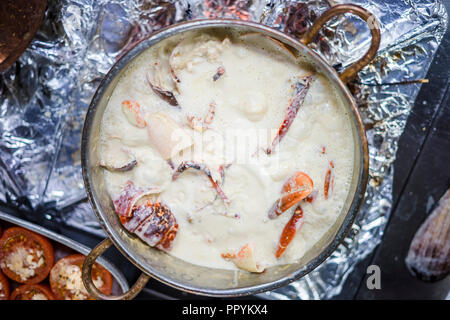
<point x="301" y="88"/>
<point x="245" y="259"/>
<point x="295" y="189"/>
<point x="201" y="167"/>
<point x="289" y="231"/>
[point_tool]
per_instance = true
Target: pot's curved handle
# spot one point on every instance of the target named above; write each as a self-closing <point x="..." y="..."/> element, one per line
<point x="89" y="284"/>
<point x="372" y="23"/>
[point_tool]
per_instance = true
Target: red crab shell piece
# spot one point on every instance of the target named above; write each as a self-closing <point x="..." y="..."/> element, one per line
<point x="211" y="113"/>
<point x="139" y="215"/>
<point x="160" y="228"/>
<point x="295" y="189"/>
<point x="289" y="231"/>
<point x="166" y="95"/>
<point x="201" y="167"/>
<point x="301" y="88"/>
<point x="128" y="197"/>
<point x="329" y="179"/>
<point x="199" y="124"/>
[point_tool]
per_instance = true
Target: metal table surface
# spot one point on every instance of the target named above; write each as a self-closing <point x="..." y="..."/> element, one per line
<point x="420" y="174"/>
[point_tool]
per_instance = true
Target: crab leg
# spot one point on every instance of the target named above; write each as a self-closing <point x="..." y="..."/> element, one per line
<point x="166" y="95"/>
<point x="175" y="78"/>
<point x="222" y="173"/>
<point x="220" y="72"/>
<point x="300" y="90"/>
<point x="199" y="124"/>
<point x="211" y="113"/>
<point x="201" y="167"/>
<point x="289" y="231"/>
<point x="295" y="189"/>
<point x="328" y="179"/>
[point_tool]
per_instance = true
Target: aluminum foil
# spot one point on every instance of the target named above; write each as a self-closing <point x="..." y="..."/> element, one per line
<point x="44" y="97"/>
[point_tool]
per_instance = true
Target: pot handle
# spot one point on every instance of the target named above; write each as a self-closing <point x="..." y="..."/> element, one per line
<point x="372" y="23"/>
<point x="89" y="284"/>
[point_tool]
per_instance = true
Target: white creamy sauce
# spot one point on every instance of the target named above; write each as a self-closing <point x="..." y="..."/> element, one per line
<point x="252" y="96"/>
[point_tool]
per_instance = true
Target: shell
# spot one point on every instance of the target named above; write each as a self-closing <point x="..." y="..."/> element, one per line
<point x="160" y="228"/>
<point x="245" y="259"/>
<point x="125" y="202"/>
<point x="115" y="157"/>
<point x="429" y="254"/>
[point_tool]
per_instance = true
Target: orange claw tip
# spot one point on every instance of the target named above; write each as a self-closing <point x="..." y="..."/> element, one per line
<point x="295" y="189"/>
<point x="329" y="180"/>
<point x="289" y="231"/>
<point x="300" y="181"/>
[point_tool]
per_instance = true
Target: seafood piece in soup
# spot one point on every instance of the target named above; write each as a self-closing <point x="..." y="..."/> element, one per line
<point x="244" y="151"/>
<point x="166" y="136"/>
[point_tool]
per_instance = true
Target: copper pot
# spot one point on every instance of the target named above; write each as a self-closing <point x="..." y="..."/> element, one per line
<point x="197" y="279"/>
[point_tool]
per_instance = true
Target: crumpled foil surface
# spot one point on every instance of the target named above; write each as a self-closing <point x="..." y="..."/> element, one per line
<point x="44" y="97"/>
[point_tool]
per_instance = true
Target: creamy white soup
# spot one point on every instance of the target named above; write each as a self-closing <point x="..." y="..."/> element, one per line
<point x="226" y="151"/>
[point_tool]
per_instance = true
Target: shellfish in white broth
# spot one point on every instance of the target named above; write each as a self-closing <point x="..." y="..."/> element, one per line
<point x="228" y="151"/>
